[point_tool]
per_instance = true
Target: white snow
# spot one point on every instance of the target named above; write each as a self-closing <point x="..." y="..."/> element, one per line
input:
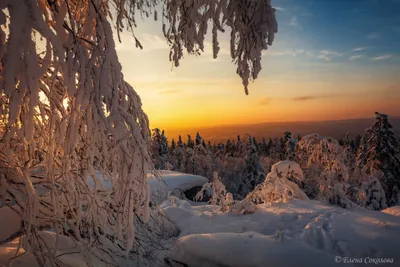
<point x="312" y="233"/>
<point x="172" y="180"/>
<point x="395" y="211"/>
<point x="247" y="249"/>
<point x="288" y="168"/>
<point x="297" y="233"/>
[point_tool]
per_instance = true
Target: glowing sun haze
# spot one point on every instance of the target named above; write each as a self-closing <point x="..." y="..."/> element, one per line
<point x="330" y="60"/>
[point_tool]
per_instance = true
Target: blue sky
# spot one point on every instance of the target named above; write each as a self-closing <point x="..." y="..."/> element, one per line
<point x="330" y="60"/>
<point x="342" y="26"/>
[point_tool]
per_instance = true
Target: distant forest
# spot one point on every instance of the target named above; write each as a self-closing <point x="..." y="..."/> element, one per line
<point x="359" y="170"/>
<point x="336" y="129"/>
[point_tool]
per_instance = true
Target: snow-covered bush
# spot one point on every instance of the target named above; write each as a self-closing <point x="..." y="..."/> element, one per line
<point x="168" y="166"/>
<point x="277" y="187"/>
<point x="339" y="195"/>
<point x="219" y="195"/>
<point x="376" y="199"/>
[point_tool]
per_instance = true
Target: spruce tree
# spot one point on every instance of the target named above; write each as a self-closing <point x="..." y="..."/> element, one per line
<point x="180" y="143"/>
<point x="381" y="156"/>
<point x="254" y="172"/>
<point x="199" y="139"/>
<point x="190" y="142"/>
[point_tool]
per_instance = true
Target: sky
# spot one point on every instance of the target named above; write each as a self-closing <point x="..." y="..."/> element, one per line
<point x="331" y="60"/>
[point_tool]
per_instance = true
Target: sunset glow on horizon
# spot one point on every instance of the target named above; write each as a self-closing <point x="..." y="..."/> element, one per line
<point x="321" y="66"/>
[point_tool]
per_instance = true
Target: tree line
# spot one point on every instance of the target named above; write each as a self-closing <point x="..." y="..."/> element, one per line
<point x="362" y="170"/>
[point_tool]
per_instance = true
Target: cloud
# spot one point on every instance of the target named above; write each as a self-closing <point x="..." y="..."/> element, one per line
<point x="303" y="98"/>
<point x="383" y="57"/>
<point x="356" y="57"/>
<point x="294" y="22"/>
<point x="280" y="53"/>
<point x="373" y="36"/>
<point x="310" y="97"/>
<point x="279" y="8"/>
<point x="292" y="53"/>
<point x="265" y="101"/>
<point x="169" y="92"/>
<point x="327" y="55"/>
<point x="358" y="49"/>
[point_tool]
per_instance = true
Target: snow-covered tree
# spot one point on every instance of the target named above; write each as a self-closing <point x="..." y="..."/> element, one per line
<point x="277" y="186"/>
<point x="219" y="195"/>
<point x="325" y="160"/>
<point x="173" y="145"/>
<point x="254" y="172"/>
<point x="159" y="148"/>
<point x="190" y="142"/>
<point x="375" y="195"/>
<point x="71" y="105"/>
<point x="290" y="146"/>
<point x="362" y="152"/>
<point x="263" y="148"/>
<point x="180" y="142"/>
<point x="381" y="156"/>
<point x="199" y="139"/>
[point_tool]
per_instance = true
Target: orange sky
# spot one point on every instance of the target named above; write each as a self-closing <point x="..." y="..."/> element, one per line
<point x="294" y="85"/>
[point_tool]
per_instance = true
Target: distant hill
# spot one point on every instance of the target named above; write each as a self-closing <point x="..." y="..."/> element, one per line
<point x="336" y="129"/>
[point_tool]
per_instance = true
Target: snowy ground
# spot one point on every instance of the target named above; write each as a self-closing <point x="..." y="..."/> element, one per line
<point x="298" y="233"/>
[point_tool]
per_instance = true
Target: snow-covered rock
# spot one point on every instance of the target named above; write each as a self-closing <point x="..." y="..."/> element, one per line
<point x="172" y="180"/>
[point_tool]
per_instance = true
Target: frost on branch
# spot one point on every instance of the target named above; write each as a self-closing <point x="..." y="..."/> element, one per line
<point x="66" y="113"/>
<point x="252" y="22"/>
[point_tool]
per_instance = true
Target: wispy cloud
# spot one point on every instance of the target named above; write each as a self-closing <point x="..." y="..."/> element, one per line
<point x="327" y="55"/>
<point x="358" y="49"/>
<point x="356" y="57"/>
<point x="311" y="97"/>
<point x="279" y="8"/>
<point x="280" y="53"/>
<point x="294" y="22"/>
<point x="265" y="101"/>
<point x="383" y="57"/>
<point x="169" y="92"/>
<point x="303" y="98"/>
<point x="373" y="36"/>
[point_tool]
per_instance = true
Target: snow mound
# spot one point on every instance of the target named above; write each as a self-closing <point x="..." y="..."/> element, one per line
<point x="248" y="249"/>
<point x="287" y="169"/>
<point x="395" y="211"/>
<point x="172" y="180"/>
